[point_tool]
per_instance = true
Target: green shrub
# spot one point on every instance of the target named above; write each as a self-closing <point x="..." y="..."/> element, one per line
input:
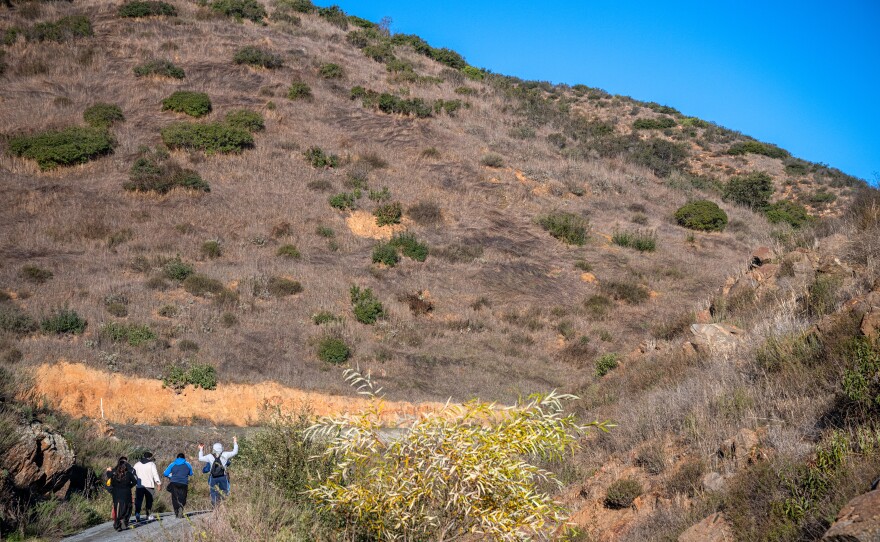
<point x="473" y="73"/>
<point x="15" y="320"/>
<point x="301" y="6"/>
<point x="63" y="29"/>
<point x="661" y="123"/>
<point x="148" y="8"/>
<point x="605" y="364"/>
<point x="756" y="147"/>
<point x="860" y="384"/>
<point x="790" y="212"/>
<point x="366" y="307"/>
<point x="344" y="200"/>
<point x="201" y="285"/>
<point x="37" y="275"/>
<point x="282" y="287"/>
<point x="194" y="104"/>
<point x="103" y="115"/>
<point x="335" y="16"/>
<point x="324" y="231"/>
<point x="626" y="291"/>
<point x="701" y="215"/>
<point x="255" y="56"/>
<point x="288" y="251"/>
<point x="245" y="119"/>
<point x="389" y="103"/>
<point x="324" y="317"/>
<point x="410" y="247"/>
<point x="822" y="295"/>
<point x="660" y="156"/>
<point x="210" y="138"/>
<point x="753" y="190"/>
<point x="65" y="147"/>
<point x="386" y="254"/>
<point x="199" y="375"/>
<point x="240" y="9"/>
<point x="331" y="71"/>
<point x="566" y="227"/>
<point x="64" y="321"/>
<point x="492" y="160"/>
<point x="299" y="91"/>
<point x="160" y="68"/>
<point x="388" y="214"/>
<point x="621" y="493"/>
<point x="641" y="240"/>
<point x="177" y="269"/>
<point x="155" y="172"/>
<point x="212" y="249"/>
<point x="133" y="334"/>
<point x="333" y="350"/>
<point x="319" y="159"/>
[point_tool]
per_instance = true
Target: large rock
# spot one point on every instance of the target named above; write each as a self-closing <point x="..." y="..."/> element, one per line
<point x="858" y="521"/>
<point x="870" y="326"/>
<point x="762" y="256"/>
<point x="40" y="462"/>
<point x="743" y="448"/>
<point x="715" y="336"/>
<point x="712" y="529"/>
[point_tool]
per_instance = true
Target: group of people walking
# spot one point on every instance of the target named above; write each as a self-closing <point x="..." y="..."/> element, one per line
<point x="144" y="478"/>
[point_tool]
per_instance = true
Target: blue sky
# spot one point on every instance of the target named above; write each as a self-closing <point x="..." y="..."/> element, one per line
<point x="803" y="75"/>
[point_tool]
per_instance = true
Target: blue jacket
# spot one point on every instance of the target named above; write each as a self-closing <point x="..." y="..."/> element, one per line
<point x="179" y="471"/>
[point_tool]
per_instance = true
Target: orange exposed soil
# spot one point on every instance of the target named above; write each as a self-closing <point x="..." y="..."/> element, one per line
<point x="79" y="390"/>
<point x="363" y="224"/>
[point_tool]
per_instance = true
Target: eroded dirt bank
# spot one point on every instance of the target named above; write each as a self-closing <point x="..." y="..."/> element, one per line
<point x="79" y="390"/>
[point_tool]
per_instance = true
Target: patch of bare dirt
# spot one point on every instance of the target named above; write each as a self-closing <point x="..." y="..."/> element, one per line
<point x="363" y="224"/>
<point x="79" y="390"/>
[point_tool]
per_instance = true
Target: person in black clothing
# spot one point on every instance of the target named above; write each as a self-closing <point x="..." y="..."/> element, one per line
<point x="121" y="480"/>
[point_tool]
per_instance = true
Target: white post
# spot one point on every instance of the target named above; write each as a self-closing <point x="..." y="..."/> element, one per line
<point x="102" y="408"/>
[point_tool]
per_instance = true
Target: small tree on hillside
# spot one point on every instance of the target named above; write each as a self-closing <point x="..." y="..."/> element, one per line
<point x="463" y="470"/>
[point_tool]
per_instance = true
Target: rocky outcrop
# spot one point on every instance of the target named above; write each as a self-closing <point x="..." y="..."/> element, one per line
<point x="714" y="528"/>
<point x="40" y="461"/>
<point x="742" y="449"/>
<point x="858" y="521"/>
<point x="762" y="256"/>
<point x="715" y="336"/>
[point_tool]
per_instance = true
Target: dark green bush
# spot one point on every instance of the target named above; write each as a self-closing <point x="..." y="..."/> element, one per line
<point x="37" y="275"/>
<point x="753" y="190"/>
<point x="567" y="227"/>
<point x="156" y="172"/>
<point x="194" y="104"/>
<point x="299" y="91"/>
<point x="625" y="290"/>
<point x="388" y="214"/>
<point x="210" y="137"/>
<point x="410" y="247"/>
<point x="860" y="384"/>
<point x="177" y="269"/>
<point x="389" y="103"/>
<point x="641" y="240"/>
<point x="660" y="156"/>
<point x="133" y="334"/>
<point x="282" y="287"/>
<point x="605" y="364"/>
<point x="344" y="200"/>
<point x="789" y="212"/>
<point x="201" y="285"/>
<point x="331" y="71"/>
<point x="756" y="147"/>
<point x="240" y="9"/>
<point x="324" y="317"/>
<point x="597" y="306"/>
<point x="15" y="320"/>
<point x="63" y="29"/>
<point x="147" y="8"/>
<point x="75" y="145"/>
<point x="255" y="56"/>
<point x="335" y="16"/>
<point x="288" y="251"/>
<point x="661" y="123"/>
<point x="212" y="249"/>
<point x="622" y="493"/>
<point x="492" y="160"/>
<point x="160" y="68"/>
<point x="246" y="119"/>
<point x="701" y="215"/>
<point x="333" y="350"/>
<point x="386" y="254"/>
<point x="301" y="6"/>
<point x="103" y="115"/>
<point x="64" y="321"/>
<point x="318" y="158"/>
<point x="366" y="307"/>
<point x="199" y="375"/>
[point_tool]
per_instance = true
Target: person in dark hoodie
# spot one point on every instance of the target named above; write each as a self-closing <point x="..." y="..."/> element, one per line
<point x="178" y="473"/>
<point x="121" y="480"/>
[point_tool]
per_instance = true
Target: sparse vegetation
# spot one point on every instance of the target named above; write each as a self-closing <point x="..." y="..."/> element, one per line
<point x="64" y="321"/>
<point x="702" y="215"/>
<point x="59" y="30"/>
<point x="385" y="254"/>
<point x="641" y="240"/>
<point x="211" y="138"/>
<point x="753" y="190"/>
<point x="288" y="251"/>
<point x="622" y="493"/>
<point x="194" y="104"/>
<point x="792" y="213"/>
<point x="756" y="147"/>
<point x="389" y="103"/>
<point x="198" y="375"/>
<point x="15" y="321"/>
<point x="492" y="160"/>
<point x="366" y="307"/>
<point x="240" y="9"/>
<point x="160" y="68"/>
<point x="154" y="171"/>
<point x="299" y="90"/>
<point x="625" y="290"/>
<point x="132" y="334"/>
<point x="103" y="115"/>
<point x="567" y="227"/>
<point x="331" y="71"/>
<point x="245" y="119"/>
<point x="212" y="249"/>
<point x="410" y="247"/>
<point x="333" y="350"/>
<point x="660" y="123"/>
<point x="75" y="145"/>
<point x="283" y="287"/>
<point x="202" y="285"/>
<point x="35" y="274"/>
<point x="255" y="56"/>
<point x="319" y="159"/>
<point x="147" y="8"/>
<point x="388" y="214"/>
<point x="605" y="364"/>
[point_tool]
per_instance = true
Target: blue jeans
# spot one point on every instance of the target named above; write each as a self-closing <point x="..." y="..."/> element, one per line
<point x="217" y="485"/>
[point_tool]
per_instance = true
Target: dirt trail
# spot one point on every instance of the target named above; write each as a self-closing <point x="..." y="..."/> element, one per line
<point x="79" y="390"/>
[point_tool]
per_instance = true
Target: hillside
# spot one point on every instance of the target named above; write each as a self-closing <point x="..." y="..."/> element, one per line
<point x="520" y="236"/>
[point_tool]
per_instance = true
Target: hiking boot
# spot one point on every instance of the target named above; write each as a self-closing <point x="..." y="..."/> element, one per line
<point x="137" y="518"/>
<point x="151" y="517"/>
